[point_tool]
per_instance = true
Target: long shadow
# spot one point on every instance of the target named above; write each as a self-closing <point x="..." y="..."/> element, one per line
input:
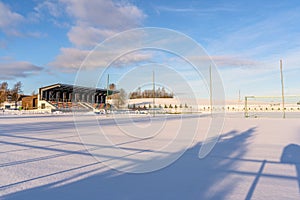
<point x="40" y="126"/>
<point x="62" y="152"/>
<point x="291" y="155"/>
<point x="187" y="178"/>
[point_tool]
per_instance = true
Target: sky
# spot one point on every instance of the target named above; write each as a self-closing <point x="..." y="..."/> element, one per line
<point x="45" y="42"/>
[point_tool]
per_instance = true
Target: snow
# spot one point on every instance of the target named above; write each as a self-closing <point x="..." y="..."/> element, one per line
<point x="42" y="157"/>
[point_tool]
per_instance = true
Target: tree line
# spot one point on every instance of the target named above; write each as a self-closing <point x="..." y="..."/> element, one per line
<point x="10" y="94"/>
<point x="159" y="93"/>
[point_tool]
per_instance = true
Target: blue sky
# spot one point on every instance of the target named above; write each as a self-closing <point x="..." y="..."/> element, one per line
<point x="44" y="42"/>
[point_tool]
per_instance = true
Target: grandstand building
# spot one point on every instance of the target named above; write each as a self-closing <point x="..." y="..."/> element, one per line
<point x="66" y="97"/>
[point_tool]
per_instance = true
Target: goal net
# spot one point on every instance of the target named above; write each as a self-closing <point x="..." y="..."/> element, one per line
<point x="272" y="106"/>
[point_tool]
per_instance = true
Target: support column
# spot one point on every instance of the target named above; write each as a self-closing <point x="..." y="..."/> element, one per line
<point x="50" y="96"/>
<point x="93" y="98"/>
<point x="57" y="96"/>
<point x="88" y="98"/>
<point x="64" y="96"/>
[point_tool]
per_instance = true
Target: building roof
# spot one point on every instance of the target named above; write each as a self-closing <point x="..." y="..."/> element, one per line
<point x="75" y="88"/>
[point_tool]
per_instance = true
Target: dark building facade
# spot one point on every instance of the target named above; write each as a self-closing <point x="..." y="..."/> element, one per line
<point x="70" y="93"/>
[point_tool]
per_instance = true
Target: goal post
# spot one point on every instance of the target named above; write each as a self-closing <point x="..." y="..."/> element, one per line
<point x="271" y="106"/>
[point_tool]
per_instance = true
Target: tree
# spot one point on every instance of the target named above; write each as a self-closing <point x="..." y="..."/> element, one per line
<point x="122" y="97"/>
<point x="33" y="93"/>
<point x="139" y="92"/>
<point x="158" y="93"/>
<point x="3" y="92"/>
<point x="112" y="86"/>
<point x="15" y="92"/>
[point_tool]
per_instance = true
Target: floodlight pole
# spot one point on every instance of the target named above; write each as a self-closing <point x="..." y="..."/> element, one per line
<point x="210" y="89"/>
<point x="107" y="86"/>
<point x="153" y="79"/>
<point x="282" y="89"/>
<point x="246" y="107"/>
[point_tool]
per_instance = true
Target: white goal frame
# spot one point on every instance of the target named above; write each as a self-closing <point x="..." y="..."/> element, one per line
<point x="281" y="104"/>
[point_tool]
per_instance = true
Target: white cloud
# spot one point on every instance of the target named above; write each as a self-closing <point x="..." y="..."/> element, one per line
<point x="9" y="20"/>
<point x="96" y="20"/>
<point x="71" y="59"/>
<point x="212" y="10"/>
<point x="12" y="24"/>
<point x="104" y="13"/>
<point x="88" y="35"/>
<point x="51" y="7"/>
<point x="11" y="69"/>
<point x="51" y="11"/>
<point x="234" y="61"/>
<point x="134" y="57"/>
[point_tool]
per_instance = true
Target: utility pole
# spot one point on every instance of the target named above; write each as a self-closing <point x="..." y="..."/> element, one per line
<point x="282" y="89"/>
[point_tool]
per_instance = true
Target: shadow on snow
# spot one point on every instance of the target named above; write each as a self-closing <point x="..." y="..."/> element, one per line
<point x="187" y="178"/>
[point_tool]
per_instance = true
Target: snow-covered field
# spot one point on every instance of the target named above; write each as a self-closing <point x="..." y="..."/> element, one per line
<point x="42" y="157"/>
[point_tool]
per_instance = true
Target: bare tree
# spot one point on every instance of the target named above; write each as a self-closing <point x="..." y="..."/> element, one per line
<point x="159" y="93"/>
<point x="15" y="92"/>
<point x="33" y="93"/>
<point x="3" y="92"/>
<point x="121" y="98"/>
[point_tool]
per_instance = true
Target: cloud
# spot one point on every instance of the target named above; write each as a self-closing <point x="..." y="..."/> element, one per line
<point x="252" y="50"/>
<point x="50" y="11"/>
<point x="202" y="11"/>
<point x="88" y="35"/>
<point x="104" y="13"/>
<point x="51" y="7"/>
<point x="9" y="20"/>
<point x="228" y="61"/>
<point x="173" y="9"/>
<point x="11" y="69"/>
<point x="71" y="59"/>
<point x="234" y="61"/>
<point x="134" y="57"/>
<point x="96" y="20"/>
<point x="259" y="37"/>
<point x="12" y="24"/>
